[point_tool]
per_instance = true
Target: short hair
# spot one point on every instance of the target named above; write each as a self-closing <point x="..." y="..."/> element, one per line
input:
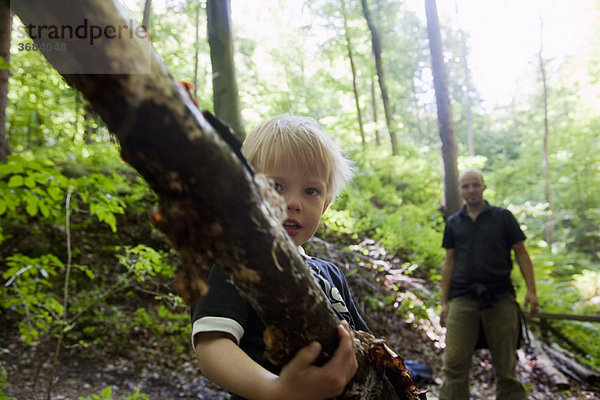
<point x="471" y="171"/>
<point x="287" y="140"/>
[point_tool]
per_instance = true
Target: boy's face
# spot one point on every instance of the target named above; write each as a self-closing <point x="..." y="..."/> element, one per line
<point x="305" y="197"/>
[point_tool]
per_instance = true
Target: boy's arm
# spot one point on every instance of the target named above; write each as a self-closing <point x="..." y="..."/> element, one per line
<point x="526" y="267"/>
<point x="223" y="362"/>
<point x="447" y="272"/>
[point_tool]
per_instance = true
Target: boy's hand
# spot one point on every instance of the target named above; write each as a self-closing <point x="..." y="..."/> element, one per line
<point x="299" y="379"/>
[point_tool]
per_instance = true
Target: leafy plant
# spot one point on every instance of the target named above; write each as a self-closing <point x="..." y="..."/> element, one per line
<point x="393" y="201"/>
<point x="106" y="394"/>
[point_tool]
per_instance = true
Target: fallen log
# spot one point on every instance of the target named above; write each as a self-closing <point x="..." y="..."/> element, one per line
<point x="556" y="379"/>
<point x="541" y="316"/>
<point x="568" y="364"/>
<point x="212" y="207"/>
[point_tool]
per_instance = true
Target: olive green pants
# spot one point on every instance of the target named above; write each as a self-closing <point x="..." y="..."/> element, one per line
<point x="501" y="326"/>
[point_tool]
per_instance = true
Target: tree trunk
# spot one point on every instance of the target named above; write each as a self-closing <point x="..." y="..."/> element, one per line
<point x="374" y="110"/>
<point x="225" y="91"/>
<point x="416" y="112"/>
<point x="147" y="15"/>
<point x="353" y="68"/>
<point x="196" y="50"/>
<point x="466" y="71"/>
<point x="377" y="51"/>
<point x="444" y="111"/>
<point x="5" y="32"/>
<point x="545" y="163"/>
<point x="212" y="207"/>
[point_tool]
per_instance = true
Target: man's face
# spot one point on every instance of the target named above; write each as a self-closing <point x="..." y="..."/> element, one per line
<point x="306" y="200"/>
<point x="471" y="189"/>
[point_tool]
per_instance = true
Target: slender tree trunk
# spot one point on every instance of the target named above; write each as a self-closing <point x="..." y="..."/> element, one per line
<point x="377" y="52"/>
<point x="212" y="207"/>
<point x="467" y="72"/>
<point x="88" y="121"/>
<point x="374" y="109"/>
<point x="196" y="50"/>
<point x="147" y="15"/>
<point x="220" y="38"/>
<point x="444" y="111"/>
<point x="5" y="32"/>
<point x="465" y="64"/>
<point x="545" y="163"/>
<point x="353" y="68"/>
<point x="416" y="106"/>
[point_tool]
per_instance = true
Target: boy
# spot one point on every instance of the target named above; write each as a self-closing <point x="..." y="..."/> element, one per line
<point x="308" y="169"/>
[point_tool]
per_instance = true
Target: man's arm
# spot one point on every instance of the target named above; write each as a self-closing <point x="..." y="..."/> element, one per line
<point x="526" y="267"/>
<point x="447" y="272"/>
<point x="223" y="362"/>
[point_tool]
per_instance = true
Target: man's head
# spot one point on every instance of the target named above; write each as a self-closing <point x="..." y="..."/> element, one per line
<point x="307" y="167"/>
<point x="471" y="187"/>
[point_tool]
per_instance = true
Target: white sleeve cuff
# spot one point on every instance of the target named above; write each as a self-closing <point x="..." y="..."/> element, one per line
<point x="217" y="324"/>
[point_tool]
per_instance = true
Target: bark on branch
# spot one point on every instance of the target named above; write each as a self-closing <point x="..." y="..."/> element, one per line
<point x="213" y="208"/>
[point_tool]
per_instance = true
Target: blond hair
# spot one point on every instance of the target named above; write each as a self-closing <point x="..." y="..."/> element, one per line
<point x="288" y="140"/>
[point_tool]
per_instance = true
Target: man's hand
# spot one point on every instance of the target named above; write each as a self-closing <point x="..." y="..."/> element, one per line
<point x="301" y="380"/>
<point x="531" y="301"/>
<point x="443" y="314"/>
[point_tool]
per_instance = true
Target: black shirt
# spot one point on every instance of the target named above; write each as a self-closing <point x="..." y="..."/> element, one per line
<point x="482" y="249"/>
<point x="224" y="302"/>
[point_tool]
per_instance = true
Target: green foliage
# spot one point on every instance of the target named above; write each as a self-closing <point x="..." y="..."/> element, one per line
<point x="28" y="291"/>
<point x="102" y="267"/>
<point x="164" y="323"/>
<point x="3" y="378"/>
<point x="568" y="284"/>
<point x="34" y="187"/>
<point x="44" y="110"/>
<point x="394" y="201"/>
<point x="106" y="394"/>
<point x="143" y="262"/>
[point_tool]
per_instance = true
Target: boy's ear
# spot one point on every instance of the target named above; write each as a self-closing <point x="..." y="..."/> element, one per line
<point x="325" y="206"/>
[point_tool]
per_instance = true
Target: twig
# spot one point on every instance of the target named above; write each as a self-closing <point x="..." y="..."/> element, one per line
<point x="61" y="333"/>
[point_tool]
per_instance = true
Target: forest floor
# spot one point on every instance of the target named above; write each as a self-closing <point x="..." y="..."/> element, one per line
<point x="161" y="375"/>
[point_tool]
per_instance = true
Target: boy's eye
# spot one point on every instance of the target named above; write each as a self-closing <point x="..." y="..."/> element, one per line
<point x="312" y="191"/>
<point x="277" y="187"/>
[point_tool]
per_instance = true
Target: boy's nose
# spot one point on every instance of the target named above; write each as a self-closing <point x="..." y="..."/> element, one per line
<point x="292" y="203"/>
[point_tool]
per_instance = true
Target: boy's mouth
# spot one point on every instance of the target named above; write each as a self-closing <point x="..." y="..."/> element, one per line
<point x="291" y="226"/>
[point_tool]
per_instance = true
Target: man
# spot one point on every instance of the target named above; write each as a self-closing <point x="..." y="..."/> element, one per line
<point x="477" y="291"/>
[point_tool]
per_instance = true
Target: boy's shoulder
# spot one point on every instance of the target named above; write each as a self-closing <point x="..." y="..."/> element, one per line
<point x="324" y="266"/>
<point x="316" y="260"/>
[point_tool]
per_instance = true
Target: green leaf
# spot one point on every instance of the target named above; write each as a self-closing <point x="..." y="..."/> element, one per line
<point x="55" y="192"/>
<point x="29" y="181"/>
<point x="44" y="209"/>
<point x="15" y="181"/>
<point x="107" y="392"/>
<point x="32" y="205"/>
